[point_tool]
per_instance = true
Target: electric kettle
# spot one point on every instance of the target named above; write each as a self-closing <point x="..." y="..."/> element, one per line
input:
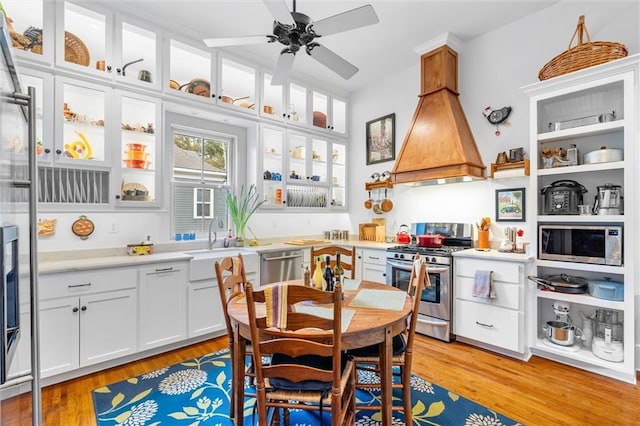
<point x="608" y="200"/>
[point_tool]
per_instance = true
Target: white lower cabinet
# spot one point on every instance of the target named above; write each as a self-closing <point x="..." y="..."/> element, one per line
<point x="373" y="265"/>
<point x="205" y="315"/>
<point x="205" y="308"/>
<point x="86" y="318"/>
<point x="162" y="304"/>
<point x="498" y="322"/>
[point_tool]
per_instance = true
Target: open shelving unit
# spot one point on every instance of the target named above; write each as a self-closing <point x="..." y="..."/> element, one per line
<point x="588" y="92"/>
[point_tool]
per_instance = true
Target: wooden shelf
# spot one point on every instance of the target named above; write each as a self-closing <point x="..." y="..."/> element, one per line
<point x="378" y="185"/>
<point x="524" y="164"/>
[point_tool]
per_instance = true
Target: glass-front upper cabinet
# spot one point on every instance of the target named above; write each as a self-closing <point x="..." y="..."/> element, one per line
<point x="237" y="85"/>
<point x="297" y="108"/>
<point x="94" y="42"/>
<point x="31" y="34"/>
<point x="84" y="39"/>
<point x="300" y="170"/>
<point x="81" y="122"/>
<point x="272" y="99"/>
<point x="138" y="54"/>
<point x="139" y="150"/>
<point x="320" y="108"/>
<point x="329" y="112"/>
<point x="273" y="142"/>
<point x="43" y="83"/>
<point x="189" y="71"/>
<point x="339" y="175"/>
<point x="307" y="172"/>
<point x="339" y="115"/>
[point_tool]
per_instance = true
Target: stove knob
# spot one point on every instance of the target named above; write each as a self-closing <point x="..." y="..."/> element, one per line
<point x="433" y="259"/>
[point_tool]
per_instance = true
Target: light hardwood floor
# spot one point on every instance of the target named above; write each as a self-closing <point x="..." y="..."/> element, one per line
<point x="538" y="392"/>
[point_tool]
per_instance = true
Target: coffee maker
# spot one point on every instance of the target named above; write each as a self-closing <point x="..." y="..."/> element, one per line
<point x="608" y="200"/>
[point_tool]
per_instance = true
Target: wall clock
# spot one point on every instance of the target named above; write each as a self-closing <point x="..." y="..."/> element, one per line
<point x="497" y="116"/>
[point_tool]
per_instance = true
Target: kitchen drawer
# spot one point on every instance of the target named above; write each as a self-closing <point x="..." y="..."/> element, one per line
<point x="507" y="294"/>
<point x="374" y="256"/>
<point x="91" y="281"/>
<point x="488" y="324"/>
<point x="508" y="272"/>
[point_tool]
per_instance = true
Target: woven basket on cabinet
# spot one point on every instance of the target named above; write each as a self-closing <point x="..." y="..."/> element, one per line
<point x="583" y="55"/>
<point x="75" y="50"/>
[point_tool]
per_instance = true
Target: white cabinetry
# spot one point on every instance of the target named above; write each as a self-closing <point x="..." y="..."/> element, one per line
<point x="163" y="318"/>
<point x="373" y="265"/>
<point x="86" y="318"/>
<point x="205" y="314"/>
<point x="498" y="322"/>
<point x="300" y="170"/>
<point x="588" y="93"/>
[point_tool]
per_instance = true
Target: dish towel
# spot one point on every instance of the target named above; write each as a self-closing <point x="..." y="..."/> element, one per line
<point x="276" y="304"/>
<point x="483" y="285"/>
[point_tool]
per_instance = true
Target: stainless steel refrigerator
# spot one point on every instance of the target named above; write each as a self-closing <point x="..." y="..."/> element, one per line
<point x="19" y="361"/>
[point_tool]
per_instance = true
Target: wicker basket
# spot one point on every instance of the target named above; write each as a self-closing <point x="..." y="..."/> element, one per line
<point x="75" y="50"/>
<point x="583" y="55"/>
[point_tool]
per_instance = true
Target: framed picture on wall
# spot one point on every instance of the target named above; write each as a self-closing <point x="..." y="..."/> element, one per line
<point x="510" y="205"/>
<point x="381" y="139"/>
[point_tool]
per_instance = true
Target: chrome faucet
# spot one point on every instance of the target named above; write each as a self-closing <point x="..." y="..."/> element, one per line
<point x="215" y="234"/>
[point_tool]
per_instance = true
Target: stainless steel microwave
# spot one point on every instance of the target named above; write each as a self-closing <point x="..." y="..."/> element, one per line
<point x="598" y="244"/>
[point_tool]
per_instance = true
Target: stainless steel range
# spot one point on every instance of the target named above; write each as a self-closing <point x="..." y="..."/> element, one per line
<point x="436" y="308"/>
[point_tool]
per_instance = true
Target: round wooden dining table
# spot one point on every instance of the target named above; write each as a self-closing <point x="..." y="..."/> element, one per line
<point x="368" y="326"/>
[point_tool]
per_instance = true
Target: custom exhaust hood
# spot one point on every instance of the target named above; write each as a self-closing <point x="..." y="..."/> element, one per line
<point x="438" y="146"/>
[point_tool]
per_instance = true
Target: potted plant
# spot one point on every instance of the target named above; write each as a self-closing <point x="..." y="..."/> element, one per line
<point x="241" y="208"/>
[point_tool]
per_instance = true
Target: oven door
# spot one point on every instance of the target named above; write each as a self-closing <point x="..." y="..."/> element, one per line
<point x="436" y="299"/>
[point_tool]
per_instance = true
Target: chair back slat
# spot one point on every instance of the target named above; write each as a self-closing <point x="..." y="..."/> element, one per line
<point x="232" y="278"/>
<point x="347" y="258"/>
<point x="297" y="373"/>
<point x="295" y="344"/>
<point x="418" y="282"/>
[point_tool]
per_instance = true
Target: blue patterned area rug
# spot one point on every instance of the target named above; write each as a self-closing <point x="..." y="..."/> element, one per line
<point x="197" y="391"/>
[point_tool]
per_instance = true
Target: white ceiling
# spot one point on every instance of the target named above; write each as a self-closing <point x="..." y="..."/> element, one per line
<point x="378" y="50"/>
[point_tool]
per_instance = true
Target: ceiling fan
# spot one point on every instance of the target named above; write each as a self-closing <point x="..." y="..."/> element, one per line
<point x="296" y="30"/>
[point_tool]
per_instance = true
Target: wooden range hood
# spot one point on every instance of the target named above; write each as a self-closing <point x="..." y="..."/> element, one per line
<point x="439" y="146"/>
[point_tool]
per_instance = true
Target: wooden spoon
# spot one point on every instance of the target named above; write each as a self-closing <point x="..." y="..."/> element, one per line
<point x="386" y="204"/>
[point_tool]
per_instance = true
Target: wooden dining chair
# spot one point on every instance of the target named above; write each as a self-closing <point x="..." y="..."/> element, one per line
<point x="232" y="280"/>
<point x="347" y="258"/>
<point x="368" y="359"/>
<point x="304" y="373"/>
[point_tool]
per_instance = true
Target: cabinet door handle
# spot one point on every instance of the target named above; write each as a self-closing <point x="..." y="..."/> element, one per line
<point x="374" y="258"/>
<point x="169" y="269"/>
<point x="75" y="309"/>
<point x="484" y="325"/>
<point x="84" y="308"/>
<point x="79" y="285"/>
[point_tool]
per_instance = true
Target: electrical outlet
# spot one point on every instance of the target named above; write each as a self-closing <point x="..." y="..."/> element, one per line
<point x="114" y="228"/>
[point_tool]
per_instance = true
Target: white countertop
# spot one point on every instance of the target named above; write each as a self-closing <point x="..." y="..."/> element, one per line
<point x="79" y="260"/>
<point x="494" y="254"/>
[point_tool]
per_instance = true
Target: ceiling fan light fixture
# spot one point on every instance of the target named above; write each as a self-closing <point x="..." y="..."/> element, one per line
<point x="294" y="30"/>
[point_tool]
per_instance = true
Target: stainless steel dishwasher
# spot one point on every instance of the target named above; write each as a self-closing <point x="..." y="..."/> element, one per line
<point x="278" y="266"/>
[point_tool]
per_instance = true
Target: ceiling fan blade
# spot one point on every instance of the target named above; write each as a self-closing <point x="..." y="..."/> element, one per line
<point x="349" y="20"/>
<point x="283" y="69"/>
<point x="280" y="11"/>
<point x="235" y="41"/>
<point x="332" y="61"/>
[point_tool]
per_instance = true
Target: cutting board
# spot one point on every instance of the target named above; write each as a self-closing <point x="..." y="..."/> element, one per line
<point x="305" y="242"/>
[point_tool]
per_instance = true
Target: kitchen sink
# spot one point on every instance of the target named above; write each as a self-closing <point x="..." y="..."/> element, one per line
<point x="214" y="252"/>
<point x="201" y="266"/>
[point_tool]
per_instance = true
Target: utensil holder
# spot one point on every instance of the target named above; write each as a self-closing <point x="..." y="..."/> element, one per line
<point x="483" y="239"/>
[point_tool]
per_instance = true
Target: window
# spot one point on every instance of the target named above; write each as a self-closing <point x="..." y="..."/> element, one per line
<point x="202" y="203"/>
<point x="200" y="180"/>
